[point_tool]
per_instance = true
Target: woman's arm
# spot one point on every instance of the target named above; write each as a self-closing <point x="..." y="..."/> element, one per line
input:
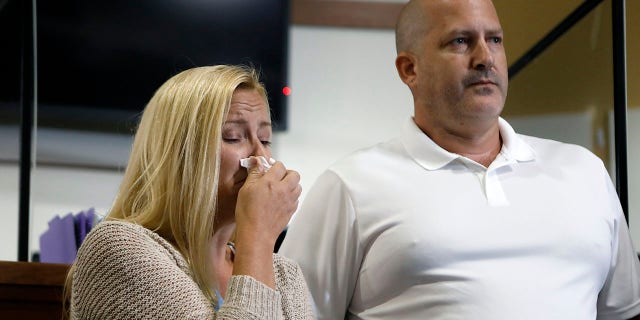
<point x="265" y="204"/>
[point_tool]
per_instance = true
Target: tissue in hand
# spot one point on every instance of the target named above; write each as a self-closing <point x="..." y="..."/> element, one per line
<point x="265" y="163"/>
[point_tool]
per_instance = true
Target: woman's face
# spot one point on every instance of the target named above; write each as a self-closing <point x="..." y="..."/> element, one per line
<point x="246" y="132"/>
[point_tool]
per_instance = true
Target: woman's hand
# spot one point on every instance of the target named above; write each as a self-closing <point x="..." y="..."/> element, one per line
<point x="266" y="202"/>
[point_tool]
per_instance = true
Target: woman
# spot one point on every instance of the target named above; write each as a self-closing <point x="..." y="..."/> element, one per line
<point x="164" y="250"/>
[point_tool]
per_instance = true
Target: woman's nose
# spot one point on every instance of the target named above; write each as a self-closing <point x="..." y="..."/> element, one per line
<point x="260" y="149"/>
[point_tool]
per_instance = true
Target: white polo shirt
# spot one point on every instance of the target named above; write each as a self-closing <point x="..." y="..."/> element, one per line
<point x="407" y="230"/>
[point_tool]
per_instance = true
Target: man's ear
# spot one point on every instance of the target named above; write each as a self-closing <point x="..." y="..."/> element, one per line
<point x="406" y="66"/>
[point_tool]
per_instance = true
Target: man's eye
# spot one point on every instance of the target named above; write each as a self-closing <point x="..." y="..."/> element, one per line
<point x="460" y="41"/>
<point x="496" y="40"/>
<point x="266" y="143"/>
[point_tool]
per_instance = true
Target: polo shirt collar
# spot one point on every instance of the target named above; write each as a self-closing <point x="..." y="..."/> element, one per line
<point x="432" y="157"/>
<point x="512" y="144"/>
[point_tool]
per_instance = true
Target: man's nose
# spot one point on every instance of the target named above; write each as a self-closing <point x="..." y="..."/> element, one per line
<point x="482" y="56"/>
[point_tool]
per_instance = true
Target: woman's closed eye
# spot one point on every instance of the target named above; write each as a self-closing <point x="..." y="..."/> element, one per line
<point x="231" y="140"/>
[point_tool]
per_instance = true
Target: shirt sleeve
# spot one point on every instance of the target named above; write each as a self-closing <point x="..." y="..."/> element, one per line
<point x="249" y="299"/>
<point x="620" y="295"/>
<point x="290" y="283"/>
<point x="323" y="240"/>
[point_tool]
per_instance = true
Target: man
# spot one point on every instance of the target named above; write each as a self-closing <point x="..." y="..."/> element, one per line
<point x="460" y="217"/>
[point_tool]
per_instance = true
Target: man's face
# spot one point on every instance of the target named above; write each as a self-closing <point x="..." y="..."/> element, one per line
<point x="461" y="63"/>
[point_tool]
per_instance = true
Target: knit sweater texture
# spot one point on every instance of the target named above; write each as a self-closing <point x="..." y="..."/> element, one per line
<point x="125" y="271"/>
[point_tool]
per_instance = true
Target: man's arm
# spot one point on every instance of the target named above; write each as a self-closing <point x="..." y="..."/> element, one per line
<point x="637" y="317"/>
<point x="322" y="239"/>
<point x="621" y="290"/>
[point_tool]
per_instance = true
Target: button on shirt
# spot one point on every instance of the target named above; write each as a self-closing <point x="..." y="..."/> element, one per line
<point x="408" y="230"/>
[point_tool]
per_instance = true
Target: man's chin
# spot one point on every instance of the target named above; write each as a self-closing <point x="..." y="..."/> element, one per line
<point x="486" y="109"/>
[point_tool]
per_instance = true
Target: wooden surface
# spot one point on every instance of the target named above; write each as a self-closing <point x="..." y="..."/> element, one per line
<point x="31" y="290"/>
<point x="357" y="14"/>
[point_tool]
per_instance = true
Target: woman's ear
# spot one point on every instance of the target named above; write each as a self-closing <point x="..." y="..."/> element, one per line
<point x="405" y="64"/>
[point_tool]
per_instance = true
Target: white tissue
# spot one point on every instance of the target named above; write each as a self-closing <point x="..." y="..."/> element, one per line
<point x="265" y="163"/>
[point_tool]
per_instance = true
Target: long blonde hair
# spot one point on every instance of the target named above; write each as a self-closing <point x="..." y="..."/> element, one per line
<point x="170" y="184"/>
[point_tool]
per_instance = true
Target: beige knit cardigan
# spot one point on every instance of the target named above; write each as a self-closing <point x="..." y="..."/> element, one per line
<point x="125" y="271"/>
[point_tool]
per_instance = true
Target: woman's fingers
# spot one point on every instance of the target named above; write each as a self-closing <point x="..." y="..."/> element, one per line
<point x="268" y="199"/>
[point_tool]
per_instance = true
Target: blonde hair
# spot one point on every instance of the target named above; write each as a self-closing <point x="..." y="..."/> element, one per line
<point x="170" y="184"/>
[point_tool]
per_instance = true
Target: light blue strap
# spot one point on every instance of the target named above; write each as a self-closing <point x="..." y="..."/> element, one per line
<point x="220" y="300"/>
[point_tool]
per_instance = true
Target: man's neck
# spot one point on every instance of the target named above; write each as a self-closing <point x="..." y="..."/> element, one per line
<point x="484" y="158"/>
<point x="480" y="143"/>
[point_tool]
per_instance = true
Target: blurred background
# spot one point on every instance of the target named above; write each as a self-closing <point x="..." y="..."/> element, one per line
<point x="97" y="64"/>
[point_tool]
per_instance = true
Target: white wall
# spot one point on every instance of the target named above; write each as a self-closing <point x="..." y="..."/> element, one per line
<point x="345" y="95"/>
<point x="8" y="212"/>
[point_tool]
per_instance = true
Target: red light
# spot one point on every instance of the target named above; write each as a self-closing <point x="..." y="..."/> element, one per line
<point x="286" y="91"/>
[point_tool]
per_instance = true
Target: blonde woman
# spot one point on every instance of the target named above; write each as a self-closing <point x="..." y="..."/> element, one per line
<point x="164" y="250"/>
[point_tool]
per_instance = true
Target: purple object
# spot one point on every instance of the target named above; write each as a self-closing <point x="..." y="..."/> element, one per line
<point x="80" y="226"/>
<point x="91" y="219"/>
<point x="58" y="243"/>
<point x="84" y="223"/>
